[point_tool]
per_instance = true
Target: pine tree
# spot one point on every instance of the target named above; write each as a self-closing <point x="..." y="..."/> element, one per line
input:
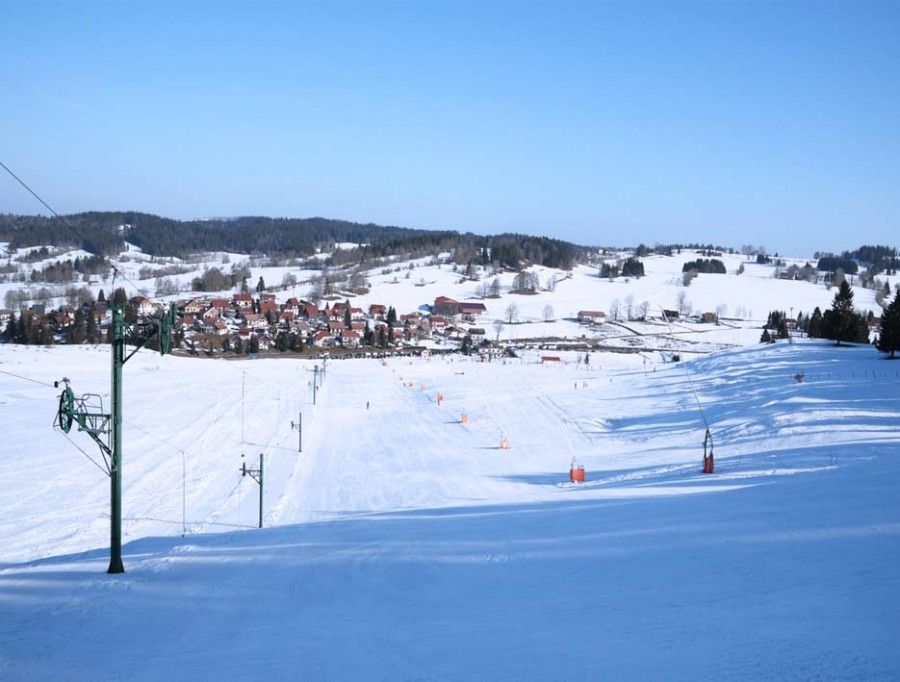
<point x="814" y="329"/>
<point x="841" y="324"/>
<point x="765" y="338"/>
<point x="889" y="334"/>
<point x="77" y="329"/>
<point x="91" y="327"/>
<point x="9" y="334"/>
<point x="22" y="328"/>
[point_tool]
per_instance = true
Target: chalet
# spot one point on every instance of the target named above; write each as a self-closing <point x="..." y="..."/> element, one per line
<point x="712" y="318"/>
<point x="268" y="307"/>
<point x="310" y="311"/>
<point x="212" y="326"/>
<point x="455" y="332"/>
<point x="186" y="322"/>
<point x="335" y="326"/>
<point x="193" y="307"/>
<point x="350" y="338"/>
<point x="322" y="339"/>
<point x="591" y="316"/>
<point x="243" y="302"/>
<point x="550" y="359"/>
<point x="470" y="311"/>
<point x="60" y="320"/>
<point x="255" y="321"/>
<point x="438" y="323"/>
<point x="142" y="306"/>
<point x="357" y="314"/>
<point x="671" y="314"/>
<point x="220" y="305"/>
<point x="292" y="305"/>
<point x="211" y="314"/>
<point x="301" y="327"/>
<point x="377" y="311"/>
<point x="337" y="310"/>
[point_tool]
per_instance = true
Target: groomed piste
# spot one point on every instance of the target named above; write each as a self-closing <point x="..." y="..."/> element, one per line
<point x="405" y="543"/>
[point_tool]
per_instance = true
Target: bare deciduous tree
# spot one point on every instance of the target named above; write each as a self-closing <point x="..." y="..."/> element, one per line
<point x="512" y="312"/>
<point x="614" y="309"/>
<point x="644" y="308"/>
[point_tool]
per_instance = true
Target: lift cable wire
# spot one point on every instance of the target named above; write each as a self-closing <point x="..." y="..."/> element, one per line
<point x="34" y="381"/>
<point x="687" y="374"/>
<point x="116" y="271"/>
<point x="104" y="469"/>
<point x="183" y="471"/>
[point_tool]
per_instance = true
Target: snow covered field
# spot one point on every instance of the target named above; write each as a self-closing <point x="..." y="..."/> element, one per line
<point x="403" y="544"/>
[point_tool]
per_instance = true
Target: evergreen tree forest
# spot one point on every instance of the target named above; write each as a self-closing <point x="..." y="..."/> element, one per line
<point x="105" y="233"/>
<point x="703" y="265"/>
<point x="842" y="323"/>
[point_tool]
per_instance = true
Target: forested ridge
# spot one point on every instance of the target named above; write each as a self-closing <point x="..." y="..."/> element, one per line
<point x="105" y="233"/>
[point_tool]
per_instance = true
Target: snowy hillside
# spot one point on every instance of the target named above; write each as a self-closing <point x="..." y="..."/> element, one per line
<point x="743" y="297"/>
<point x="403" y="543"/>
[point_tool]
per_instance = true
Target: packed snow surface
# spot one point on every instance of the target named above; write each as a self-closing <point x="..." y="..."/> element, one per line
<point x="403" y="543"/>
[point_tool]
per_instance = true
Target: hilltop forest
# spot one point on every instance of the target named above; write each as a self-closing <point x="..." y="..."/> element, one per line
<point x="105" y="233"/>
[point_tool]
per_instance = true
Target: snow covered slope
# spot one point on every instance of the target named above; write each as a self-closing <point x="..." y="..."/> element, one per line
<point x="405" y="544"/>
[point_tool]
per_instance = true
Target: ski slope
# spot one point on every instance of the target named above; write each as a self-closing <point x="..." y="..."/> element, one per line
<point x="404" y="544"/>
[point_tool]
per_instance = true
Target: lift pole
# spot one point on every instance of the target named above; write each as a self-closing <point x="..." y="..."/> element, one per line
<point x="115" y="468"/>
<point x="299" y="427"/>
<point x="106" y="429"/>
<point x="256" y="475"/>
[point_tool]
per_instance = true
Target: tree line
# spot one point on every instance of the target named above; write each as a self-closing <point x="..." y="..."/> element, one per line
<point x="105" y="233"/>
<point x="842" y="323"/>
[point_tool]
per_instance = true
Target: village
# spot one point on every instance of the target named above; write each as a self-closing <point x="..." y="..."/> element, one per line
<point x="247" y="323"/>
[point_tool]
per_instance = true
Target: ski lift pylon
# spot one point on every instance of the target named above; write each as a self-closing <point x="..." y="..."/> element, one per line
<point x="708" y="463"/>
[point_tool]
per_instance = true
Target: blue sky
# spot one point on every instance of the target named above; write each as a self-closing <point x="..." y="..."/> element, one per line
<point x="601" y="123"/>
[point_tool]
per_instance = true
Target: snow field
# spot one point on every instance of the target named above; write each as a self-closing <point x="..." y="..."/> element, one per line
<point x="402" y="544"/>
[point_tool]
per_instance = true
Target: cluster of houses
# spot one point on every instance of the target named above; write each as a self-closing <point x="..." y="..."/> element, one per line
<point x="244" y="316"/>
<point x="336" y="324"/>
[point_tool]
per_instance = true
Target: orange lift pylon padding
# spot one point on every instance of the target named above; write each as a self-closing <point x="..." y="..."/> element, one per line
<point x="576" y="472"/>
